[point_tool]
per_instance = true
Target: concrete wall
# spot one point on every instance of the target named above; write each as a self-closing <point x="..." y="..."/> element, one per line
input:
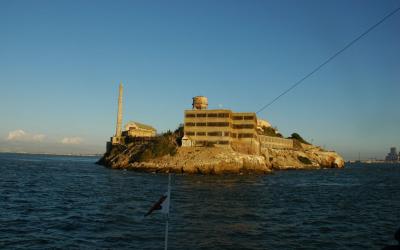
<point x="139" y="132"/>
<point x="308" y="146"/>
<point x="246" y="146"/>
<point x="275" y="142"/>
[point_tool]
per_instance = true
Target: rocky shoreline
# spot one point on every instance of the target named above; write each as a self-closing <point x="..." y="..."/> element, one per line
<point x="220" y="160"/>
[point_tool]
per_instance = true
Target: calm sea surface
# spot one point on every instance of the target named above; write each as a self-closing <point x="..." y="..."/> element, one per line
<point x="49" y="202"/>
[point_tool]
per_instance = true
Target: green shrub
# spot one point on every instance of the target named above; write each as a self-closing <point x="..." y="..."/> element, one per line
<point x="161" y="145"/>
<point x="145" y="155"/>
<point x="179" y="130"/>
<point x="179" y="134"/>
<point x="296" y="136"/>
<point x="270" y="131"/>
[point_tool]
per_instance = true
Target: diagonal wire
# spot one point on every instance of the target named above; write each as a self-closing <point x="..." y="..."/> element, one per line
<point x="330" y="58"/>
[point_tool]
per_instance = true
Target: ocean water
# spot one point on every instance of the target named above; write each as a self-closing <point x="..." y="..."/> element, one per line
<point x="54" y="202"/>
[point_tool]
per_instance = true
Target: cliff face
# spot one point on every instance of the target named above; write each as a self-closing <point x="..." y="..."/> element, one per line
<point x="207" y="160"/>
<point x="219" y="160"/>
<point x="301" y="159"/>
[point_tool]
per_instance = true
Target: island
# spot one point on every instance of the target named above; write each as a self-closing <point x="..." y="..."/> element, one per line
<point x="212" y="141"/>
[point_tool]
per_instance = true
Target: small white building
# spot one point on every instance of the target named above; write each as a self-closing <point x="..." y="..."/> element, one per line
<point x="186" y="142"/>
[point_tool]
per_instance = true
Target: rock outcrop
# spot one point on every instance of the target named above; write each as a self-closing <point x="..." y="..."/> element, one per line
<point x="300" y="159"/>
<point x="220" y="160"/>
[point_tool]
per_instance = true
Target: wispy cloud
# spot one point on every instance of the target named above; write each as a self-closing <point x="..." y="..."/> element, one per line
<point x="38" y="137"/>
<point x="72" y="140"/>
<point x="21" y="135"/>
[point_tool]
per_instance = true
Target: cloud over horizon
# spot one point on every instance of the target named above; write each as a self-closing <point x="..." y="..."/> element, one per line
<point x="21" y="135"/>
<point x="72" y="140"/>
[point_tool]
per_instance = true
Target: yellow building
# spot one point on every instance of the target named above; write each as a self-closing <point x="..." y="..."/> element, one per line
<point x="203" y="127"/>
<point x="137" y="129"/>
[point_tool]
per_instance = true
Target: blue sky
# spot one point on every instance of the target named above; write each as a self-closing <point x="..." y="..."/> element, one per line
<point x="61" y="62"/>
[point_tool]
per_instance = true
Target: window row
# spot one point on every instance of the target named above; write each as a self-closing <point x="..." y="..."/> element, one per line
<point x="222" y="134"/>
<point x="208" y="124"/>
<point x="220" y="115"/>
<point x="219" y="124"/>
<point x="214" y="133"/>
<point x="210" y="143"/>
<point x="242" y="126"/>
<point x="241" y="117"/>
<point x="247" y="135"/>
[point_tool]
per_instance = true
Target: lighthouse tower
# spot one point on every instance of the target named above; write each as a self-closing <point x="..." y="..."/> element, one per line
<point x="118" y="131"/>
<point x="117" y="139"/>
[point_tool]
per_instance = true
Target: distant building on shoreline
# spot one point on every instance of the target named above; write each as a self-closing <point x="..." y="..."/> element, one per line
<point x="393" y="156"/>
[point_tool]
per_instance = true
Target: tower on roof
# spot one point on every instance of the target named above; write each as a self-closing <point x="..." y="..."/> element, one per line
<point x="200" y="102"/>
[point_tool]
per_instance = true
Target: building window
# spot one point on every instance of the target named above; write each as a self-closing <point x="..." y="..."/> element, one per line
<point x="202" y="115"/>
<point x="242" y="126"/>
<point x="189" y="133"/>
<point x="249" y="117"/>
<point x="225" y="115"/>
<point x="227" y="134"/>
<point x="235" y="117"/>
<point x="248" y="125"/>
<point x="190" y="124"/>
<point x="201" y="124"/>
<point x="245" y="135"/>
<point x="234" y="135"/>
<point x="190" y="115"/>
<point x="199" y="143"/>
<point x="201" y="133"/>
<point x="223" y="142"/>
<point x="217" y="133"/>
<point x="218" y="124"/>
<point x="212" y="115"/>
<point x="204" y="143"/>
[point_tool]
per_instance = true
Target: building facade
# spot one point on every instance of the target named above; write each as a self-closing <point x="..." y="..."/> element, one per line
<point x="221" y="127"/>
<point x="242" y="131"/>
<point x="392" y="155"/>
<point x="137" y="129"/>
<point x="204" y="127"/>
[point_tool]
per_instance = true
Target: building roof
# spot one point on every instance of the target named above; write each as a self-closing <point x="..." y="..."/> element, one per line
<point x="207" y="110"/>
<point x="139" y="125"/>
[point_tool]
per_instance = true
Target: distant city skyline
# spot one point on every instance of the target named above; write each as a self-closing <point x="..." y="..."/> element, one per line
<point x="61" y="64"/>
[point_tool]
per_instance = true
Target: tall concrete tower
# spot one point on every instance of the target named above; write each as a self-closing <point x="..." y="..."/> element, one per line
<point x="118" y="131"/>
